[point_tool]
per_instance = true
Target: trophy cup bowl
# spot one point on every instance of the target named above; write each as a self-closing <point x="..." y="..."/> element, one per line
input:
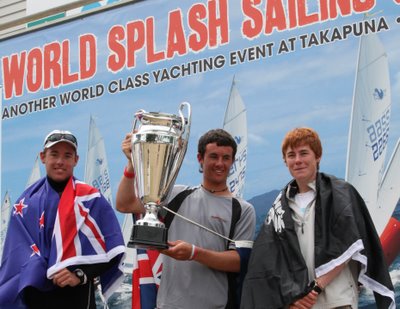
<point x="159" y="143"/>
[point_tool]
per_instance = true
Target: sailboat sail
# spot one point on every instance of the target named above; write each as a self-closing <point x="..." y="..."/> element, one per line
<point x="389" y="194"/>
<point x="96" y="168"/>
<point x="97" y="175"/>
<point x="130" y="253"/>
<point x="369" y="130"/>
<point x="5" y="216"/>
<point x="235" y="123"/>
<point x="35" y="173"/>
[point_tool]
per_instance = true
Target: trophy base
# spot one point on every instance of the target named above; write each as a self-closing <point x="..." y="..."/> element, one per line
<point x="148" y="237"/>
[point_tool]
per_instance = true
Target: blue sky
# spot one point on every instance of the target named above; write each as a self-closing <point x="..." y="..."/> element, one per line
<point x="308" y="87"/>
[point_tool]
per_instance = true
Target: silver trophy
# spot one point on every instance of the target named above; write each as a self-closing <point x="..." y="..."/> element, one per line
<point x="159" y="143"/>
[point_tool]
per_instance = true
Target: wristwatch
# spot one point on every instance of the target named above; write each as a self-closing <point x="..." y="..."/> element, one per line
<point x="81" y="275"/>
<point x="314" y="286"/>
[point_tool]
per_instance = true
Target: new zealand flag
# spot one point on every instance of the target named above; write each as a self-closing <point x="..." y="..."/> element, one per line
<point x="47" y="233"/>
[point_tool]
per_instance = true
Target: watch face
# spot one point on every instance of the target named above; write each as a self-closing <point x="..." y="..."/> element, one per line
<point x="317" y="289"/>
<point x="80" y="274"/>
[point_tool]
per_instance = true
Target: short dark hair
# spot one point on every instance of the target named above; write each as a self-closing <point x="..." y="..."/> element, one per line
<point x="218" y="136"/>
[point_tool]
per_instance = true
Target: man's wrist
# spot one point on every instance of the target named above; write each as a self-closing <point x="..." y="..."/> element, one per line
<point x="127" y="174"/>
<point x="193" y="253"/>
<point x="81" y="275"/>
<point x="316" y="287"/>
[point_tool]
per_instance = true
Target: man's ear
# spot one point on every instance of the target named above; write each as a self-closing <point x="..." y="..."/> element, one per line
<point x="200" y="160"/>
<point x="76" y="159"/>
<point x="42" y="155"/>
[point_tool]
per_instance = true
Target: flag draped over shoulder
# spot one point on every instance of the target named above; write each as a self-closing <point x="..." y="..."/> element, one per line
<point x="277" y="273"/>
<point x="146" y="278"/>
<point x="48" y="233"/>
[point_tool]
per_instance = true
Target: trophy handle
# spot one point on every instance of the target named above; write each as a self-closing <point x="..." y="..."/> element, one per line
<point x="138" y="115"/>
<point x="185" y="127"/>
<point x="183" y="141"/>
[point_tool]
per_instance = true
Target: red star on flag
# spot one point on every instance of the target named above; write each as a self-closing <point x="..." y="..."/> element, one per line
<point x="35" y="250"/>
<point x="41" y="220"/>
<point x="19" y="207"/>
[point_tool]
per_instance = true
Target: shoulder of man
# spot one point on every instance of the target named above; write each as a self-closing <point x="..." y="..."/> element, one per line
<point x="176" y="189"/>
<point x="326" y="179"/>
<point x="247" y="210"/>
<point x="342" y="192"/>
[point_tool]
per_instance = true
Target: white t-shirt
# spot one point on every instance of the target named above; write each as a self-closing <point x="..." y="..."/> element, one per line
<point x="341" y="291"/>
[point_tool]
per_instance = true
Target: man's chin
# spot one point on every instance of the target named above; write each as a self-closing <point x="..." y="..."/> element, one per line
<point x="220" y="179"/>
<point x="60" y="178"/>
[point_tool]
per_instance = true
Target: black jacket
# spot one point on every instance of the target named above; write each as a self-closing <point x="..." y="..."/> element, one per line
<point x="277" y="273"/>
<point x="78" y="297"/>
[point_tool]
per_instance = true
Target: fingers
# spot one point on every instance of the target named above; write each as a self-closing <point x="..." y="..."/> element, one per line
<point x="306" y="302"/>
<point x="65" y="278"/>
<point x="299" y="305"/>
<point x="174" y="243"/>
<point x="126" y="145"/>
<point x="178" y="250"/>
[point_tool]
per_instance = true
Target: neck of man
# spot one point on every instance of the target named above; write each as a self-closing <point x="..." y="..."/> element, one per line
<point x="217" y="189"/>
<point x="58" y="186"/>
<point x="304" y="189"/>
<point x="304" y="185"/>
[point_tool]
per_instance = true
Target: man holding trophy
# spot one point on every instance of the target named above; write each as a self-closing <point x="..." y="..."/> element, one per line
<point x="200" y="253"/>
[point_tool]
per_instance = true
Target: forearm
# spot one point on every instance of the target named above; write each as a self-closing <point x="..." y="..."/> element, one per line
<point x="95" y="270"/>
<point x="126" y="199"/>
<point x="324" y="280"/>
<point x="227" y="261"/>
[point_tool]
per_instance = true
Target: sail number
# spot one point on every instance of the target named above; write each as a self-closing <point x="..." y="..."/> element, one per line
<point x="235" y="182"/>
<point x="237" y="171"/>
<point x="102" y="182"/>
<point x="378" y="133"/>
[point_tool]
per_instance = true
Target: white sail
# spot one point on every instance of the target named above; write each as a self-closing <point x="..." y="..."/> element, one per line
<point x="130" y="253"/>
<point x="97" y="175"/>
<point x="235" y="123"/>
<point x="389" y="193"/>
<point x="4" y="219"/>
<point x="35" y="173"/>
<point x="96" y="168"/>
<point x="369" y="129"/>
<point x="96" y="172"/>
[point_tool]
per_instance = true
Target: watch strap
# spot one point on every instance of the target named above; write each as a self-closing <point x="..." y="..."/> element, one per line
<point x="81" y="275"/>
<point x="316" y="287"/>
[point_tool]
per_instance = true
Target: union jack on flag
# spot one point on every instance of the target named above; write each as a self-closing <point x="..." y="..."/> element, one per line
<point x="146" y="278"/>
<point x="85" y="231"/>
